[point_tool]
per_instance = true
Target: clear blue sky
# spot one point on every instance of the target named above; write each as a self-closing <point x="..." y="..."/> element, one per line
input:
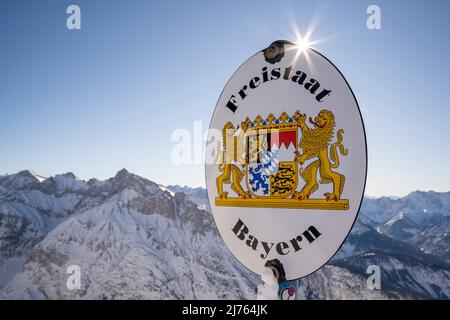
<point x="95" y="100"/>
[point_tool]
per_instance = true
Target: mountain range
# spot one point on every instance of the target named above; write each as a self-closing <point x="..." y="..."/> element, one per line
<point x="135" y="239"/>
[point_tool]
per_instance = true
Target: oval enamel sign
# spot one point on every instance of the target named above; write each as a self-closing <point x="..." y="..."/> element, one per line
<point x="286" y="160"/>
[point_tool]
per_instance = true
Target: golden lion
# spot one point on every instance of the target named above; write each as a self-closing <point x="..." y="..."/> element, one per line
<point x="232" y="144"/>
<point x="314" y="144"/>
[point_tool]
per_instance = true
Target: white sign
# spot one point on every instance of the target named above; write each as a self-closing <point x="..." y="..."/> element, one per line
<point x="291" y="160"/>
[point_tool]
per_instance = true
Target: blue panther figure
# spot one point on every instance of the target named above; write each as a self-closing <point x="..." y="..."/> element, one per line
<point x="269" y="165"/>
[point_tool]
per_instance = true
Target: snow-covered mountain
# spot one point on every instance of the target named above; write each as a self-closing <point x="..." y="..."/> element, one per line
<point x="333" y="282"/>
<point x="421" y="219"/>
<point x="434" y="239"/>
<point x="404" y="275"/>
<point x="421" y="208"/>
<point x="364" y="239"/>
<point x="133" y="238"/>
<point x="31" y="206"/>
<point x="409" y="238"/>
<point x="197" y="195"/>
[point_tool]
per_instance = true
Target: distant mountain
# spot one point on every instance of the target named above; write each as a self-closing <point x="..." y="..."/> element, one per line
<point x="420" y="219"/>
<point x="30" y="207"/>
<point x="364" y="239"/>
<point x="409" y="236"/>
<point x="421" y="208"/>
<point x="333" y="282"/>
<point x="434" y="239"/>
<point x="135" y="239"/>
<point x="197" y="195"/>
<point x="400" y="227"/>
<point x="404" y="275"/>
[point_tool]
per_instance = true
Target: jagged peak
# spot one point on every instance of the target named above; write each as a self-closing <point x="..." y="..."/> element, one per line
<point x="24" y="178"/>
<point x="125" y="176"/>
<point x="125" y="179"/>
<point x="65" y="182"/>
<point x="123" y="173"/>
<point x="38" y="176"/>
<point x="26" y="173"/>
<point x="69" y="175"/>
<point x="186" y="189"/>
<point x="422" y="193"/>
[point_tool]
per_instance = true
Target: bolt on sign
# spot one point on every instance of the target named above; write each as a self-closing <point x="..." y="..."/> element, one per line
<point x="290" y="160"/>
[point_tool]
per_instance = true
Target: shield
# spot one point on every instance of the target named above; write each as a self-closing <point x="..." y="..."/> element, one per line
<point x="271" y="170"/>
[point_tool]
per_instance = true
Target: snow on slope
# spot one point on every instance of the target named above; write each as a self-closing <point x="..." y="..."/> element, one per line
<point x="337" y="283"/>
<point x="386" y="239"/>
<point x="133" y="238"/>
<point x="419" y="207"/>
<point x="404" y="274"/>
<point x="197" y="195"/>
<point x="30" y="207"/>
<point x="434" y="239"/>
<point x="140" y="243"/>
